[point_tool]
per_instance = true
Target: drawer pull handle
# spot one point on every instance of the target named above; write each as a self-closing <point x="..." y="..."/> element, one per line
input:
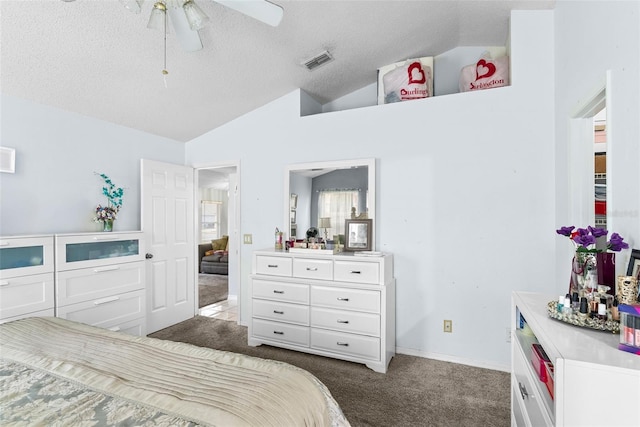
<point x="106" y="300"/>
<point x="278" y="312"/>
<point x="312" y="268"/>
<point x="4" y="283"/>
<point x="343" y="321"/>
<point x="523" y="390"/>
<point x="115" y="329"/>
<point x="343" y="299"/>
<point x="112" y="237"/>
<point x="272" y="265"/>
<point x="4" y="243"/>
<point x="344" y="344"/>
<point x="278" y="292"/>
<point x="103" y="269"/>
<point x="278" y="332"/>
<point x="355" y="272"/>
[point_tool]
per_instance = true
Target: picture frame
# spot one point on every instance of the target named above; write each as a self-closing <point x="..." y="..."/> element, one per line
<point x="634" y="264"/>
<point x="293" y="216"/>
<point x="293" y="202"/>
<point x="358" y="234"/>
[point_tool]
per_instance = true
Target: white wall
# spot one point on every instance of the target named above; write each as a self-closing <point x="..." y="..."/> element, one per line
<point x="464" y="194"/>
<point x="54" y="189"/>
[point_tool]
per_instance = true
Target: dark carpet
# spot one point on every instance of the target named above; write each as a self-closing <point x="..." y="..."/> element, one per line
<point x="414" y="392"/>
<point x="212" y="288"/>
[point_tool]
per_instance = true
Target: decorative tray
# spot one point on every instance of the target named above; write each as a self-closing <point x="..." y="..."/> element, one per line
<point x="583" y="321"/>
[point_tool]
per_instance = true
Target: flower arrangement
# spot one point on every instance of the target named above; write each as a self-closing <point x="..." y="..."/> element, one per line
<point x="114" y="201"/>
<point x="585" y="239"/>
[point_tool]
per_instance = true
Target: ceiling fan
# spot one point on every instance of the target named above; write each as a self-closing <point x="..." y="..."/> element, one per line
<point x="187" y="18"/>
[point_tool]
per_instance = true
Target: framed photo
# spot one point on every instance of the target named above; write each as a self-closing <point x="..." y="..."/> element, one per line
<point x="293" y="216"/>
<point x="358" y="234"/>
<point x="634" y="264"/>
<point x="293" y="202"/>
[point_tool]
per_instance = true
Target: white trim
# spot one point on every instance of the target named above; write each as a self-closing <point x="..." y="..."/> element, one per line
<point x="7" y="160"/>
<point x="454" y="359"/>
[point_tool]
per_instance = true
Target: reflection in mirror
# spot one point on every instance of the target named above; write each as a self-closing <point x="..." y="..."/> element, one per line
<point x="328" y="193"/>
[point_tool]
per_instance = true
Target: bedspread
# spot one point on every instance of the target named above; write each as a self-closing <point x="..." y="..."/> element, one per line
<point x="54" y="371"/>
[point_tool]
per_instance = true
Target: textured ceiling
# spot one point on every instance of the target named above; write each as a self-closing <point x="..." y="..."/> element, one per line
<point x="96" y="58"/>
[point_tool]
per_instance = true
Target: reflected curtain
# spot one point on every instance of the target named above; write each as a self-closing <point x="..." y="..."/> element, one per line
<point x="336" y="204"/>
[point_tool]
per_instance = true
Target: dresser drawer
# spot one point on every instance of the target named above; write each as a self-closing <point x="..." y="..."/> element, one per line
<point x="347" y="299"/>
<point x="525" y="392"/>
<point x="75" y="286"/>
<point x="281" y="311"/>
<point x="353" y="345"/>
<point x="273" y="266"/>
<point x="28" y="294"/>
<point x="107" y="312"/>
<point x="42" y="313"/>
<point x="283" y="332"/>
<point x="136" y="327"/>
<point x="25" y="256"/>
<point x="309" y="268"/>
<point x="346" y="321"/>
<point x="288" y="292"/>
<point x="357" y="272"/>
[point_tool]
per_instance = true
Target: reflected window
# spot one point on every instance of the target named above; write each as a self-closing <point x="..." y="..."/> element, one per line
<point x="337" y="205"/>
<point x="209" y="220"/>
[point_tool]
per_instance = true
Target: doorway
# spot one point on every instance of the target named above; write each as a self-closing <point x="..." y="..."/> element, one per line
<point x="218" y="260"/>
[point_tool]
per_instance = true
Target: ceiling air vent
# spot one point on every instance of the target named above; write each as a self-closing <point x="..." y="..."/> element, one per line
<point x="318" y="60"/>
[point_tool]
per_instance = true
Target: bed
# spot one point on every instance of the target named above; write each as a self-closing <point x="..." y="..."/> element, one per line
<point x="58" y="372"/>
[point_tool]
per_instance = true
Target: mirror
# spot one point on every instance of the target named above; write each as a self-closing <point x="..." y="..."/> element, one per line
<point x="323" y="195"/>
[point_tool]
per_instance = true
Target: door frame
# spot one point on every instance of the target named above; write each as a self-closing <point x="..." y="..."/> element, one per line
<point x="234" y="229"/>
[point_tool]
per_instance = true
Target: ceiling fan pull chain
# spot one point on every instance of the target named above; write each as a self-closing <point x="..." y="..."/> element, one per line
<point x="164" y="70"/>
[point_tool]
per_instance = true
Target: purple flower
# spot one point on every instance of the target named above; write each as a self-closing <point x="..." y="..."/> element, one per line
<point x="597" y="232"/>
<point x="566" y="231"/>
<point x="616" y="243"/>
<point x="584" y="239"/>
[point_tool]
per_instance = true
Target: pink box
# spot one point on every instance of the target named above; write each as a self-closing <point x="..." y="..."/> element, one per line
<point x="538" y="359"/>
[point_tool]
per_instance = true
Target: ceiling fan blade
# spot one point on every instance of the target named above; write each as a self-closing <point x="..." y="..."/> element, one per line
<point x="189" y="39"/>
<point x="262" y="10"/>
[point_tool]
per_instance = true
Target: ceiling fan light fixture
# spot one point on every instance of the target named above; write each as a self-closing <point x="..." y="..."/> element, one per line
<point x="158" y="16"/>
<point x="195" y="16"/>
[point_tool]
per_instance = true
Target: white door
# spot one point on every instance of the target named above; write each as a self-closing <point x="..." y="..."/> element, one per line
<point x="167" y="206"/>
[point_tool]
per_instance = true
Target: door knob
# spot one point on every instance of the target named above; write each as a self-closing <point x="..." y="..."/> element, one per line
<point x="148" y="256"/>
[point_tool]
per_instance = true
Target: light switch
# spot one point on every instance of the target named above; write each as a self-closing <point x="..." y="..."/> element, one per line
<point x="248" y="239"/>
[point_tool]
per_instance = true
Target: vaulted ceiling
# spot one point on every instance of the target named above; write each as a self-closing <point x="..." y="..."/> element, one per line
<point x="96" y="58"/>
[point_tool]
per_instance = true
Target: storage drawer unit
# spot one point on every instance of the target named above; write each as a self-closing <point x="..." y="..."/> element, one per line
<point x="26" y="277"/>
<point x="100" y="280"/>
<point x="581" y="357"/>
<point x="339" y="306"/>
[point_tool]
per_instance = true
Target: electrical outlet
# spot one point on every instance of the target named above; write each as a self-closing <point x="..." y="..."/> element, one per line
<point x="248" y="239"/>
<point x="508" y="336"/>
<point x="448" y="326"/>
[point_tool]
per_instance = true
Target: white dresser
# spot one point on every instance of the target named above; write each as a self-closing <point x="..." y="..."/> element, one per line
<point x="100" y="280"/>
<point x="595" y="384"/>
<point x="26" y="277"/>
<point x="339" y="306"/>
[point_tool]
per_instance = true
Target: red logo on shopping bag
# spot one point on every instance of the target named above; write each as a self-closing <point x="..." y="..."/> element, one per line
<point x="416" y="74"/>
<point x="484" y="69"/>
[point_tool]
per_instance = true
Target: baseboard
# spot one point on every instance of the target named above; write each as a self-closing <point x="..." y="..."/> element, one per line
<point x="454" y="359"/>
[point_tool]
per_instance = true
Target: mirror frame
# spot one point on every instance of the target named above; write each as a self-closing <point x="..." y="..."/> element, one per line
<point x="338" y="164"/>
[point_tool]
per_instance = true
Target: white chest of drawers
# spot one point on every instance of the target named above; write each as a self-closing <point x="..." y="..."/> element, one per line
<point x="26" y="277"/>
<point x="339" y="306"/>
<point x="100" y="280"/>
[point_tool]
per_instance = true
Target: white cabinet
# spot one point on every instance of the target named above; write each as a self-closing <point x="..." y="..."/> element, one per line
<point x="26" y="277"/>
<point x="594" y="383"/>
<point x="100" y="280"/>
<point x="339" y="306"/>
